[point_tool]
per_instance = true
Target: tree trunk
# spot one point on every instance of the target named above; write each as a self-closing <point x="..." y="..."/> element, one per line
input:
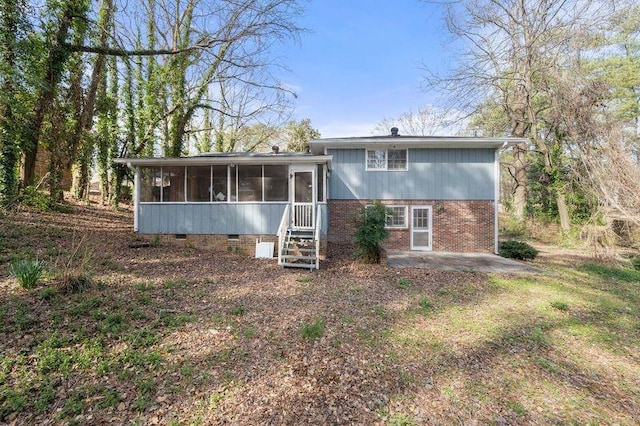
<point x="520" y="178"/>
<point x="8" y="146"/>
<point x="56" y="58"/>
<point x="563" y="211"/>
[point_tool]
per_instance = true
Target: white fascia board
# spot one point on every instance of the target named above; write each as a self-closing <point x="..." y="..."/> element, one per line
<point x="207" y="161"/>
<point x="319" y="145"/>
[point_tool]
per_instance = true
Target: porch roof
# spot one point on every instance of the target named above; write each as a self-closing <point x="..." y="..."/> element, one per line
<point x="223" y="158"/>
<point x="318" y="146"/>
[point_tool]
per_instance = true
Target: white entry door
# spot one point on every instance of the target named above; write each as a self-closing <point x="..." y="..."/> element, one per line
<point x="421" y="228"/>
<point x="303" y="197"/>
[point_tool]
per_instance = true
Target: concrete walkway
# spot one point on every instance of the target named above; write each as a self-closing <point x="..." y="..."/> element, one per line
<point x="480" y="262"/>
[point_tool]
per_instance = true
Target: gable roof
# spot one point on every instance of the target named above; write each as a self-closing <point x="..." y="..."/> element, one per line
<point x="318" y="146"/>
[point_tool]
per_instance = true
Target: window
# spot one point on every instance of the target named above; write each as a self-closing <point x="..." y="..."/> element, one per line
<point x="386" y="159"/>
<point x="198" y="183"/>
<point x="219" y="183"/>
<point x="150" y="184"/>
<point x="276" y="183"/>
<point x="173" y="184"/>
<point x="377" y="159"/>
<point x="397" y="159"/>
<point x="398" y="217"/>
<point x="249" y="183"/>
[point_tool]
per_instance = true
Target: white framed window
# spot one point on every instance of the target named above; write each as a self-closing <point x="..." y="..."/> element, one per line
<point x="386" y="159"/>
<point x="397" y="218"/>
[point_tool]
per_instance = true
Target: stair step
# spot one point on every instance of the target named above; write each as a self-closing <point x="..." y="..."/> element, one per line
<point x="299" y="243"/>
<point x="301" y="234"/>
<point x="294" y="257"/>
<point x="301" y="250"/>
<point x="299" y="265"/>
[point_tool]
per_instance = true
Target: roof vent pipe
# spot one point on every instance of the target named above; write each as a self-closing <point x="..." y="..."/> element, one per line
<point x="275" y="149"/>
<point x="394" y="131"/>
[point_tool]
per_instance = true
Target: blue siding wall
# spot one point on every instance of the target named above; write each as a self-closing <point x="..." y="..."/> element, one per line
<point x="433" y="174"/>
<point x="213" y="218"/>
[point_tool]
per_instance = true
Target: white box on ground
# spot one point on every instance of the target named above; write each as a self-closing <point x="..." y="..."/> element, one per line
<point x="264" y="250"/>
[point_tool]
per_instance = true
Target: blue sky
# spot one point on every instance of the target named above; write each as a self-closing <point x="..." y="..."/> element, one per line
<point x="360" y="62"/>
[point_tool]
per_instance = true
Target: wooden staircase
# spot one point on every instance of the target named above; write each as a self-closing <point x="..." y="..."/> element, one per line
<point x="299" y="249"/>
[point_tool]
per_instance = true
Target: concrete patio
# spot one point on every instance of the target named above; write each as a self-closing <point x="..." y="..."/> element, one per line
<point x="480" y="262"/>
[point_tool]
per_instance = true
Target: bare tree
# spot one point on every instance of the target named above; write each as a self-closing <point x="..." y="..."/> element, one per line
<point x="181" y="49"/>
<point x="510" y="46"/>
<point x="426" y="121"/>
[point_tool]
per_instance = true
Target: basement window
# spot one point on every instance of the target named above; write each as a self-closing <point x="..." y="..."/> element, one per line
<point x="398" y="217"/>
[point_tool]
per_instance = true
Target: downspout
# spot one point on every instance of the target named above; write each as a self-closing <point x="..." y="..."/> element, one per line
<point x="496" y="194"/>
<point x="136" y="195"/>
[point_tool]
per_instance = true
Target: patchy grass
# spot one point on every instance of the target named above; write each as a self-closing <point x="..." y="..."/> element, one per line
<point x="172" y="335"/>
<point x="314" y="330"/>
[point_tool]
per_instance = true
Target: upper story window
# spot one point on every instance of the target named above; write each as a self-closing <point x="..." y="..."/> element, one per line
<point x="386" y="159"/>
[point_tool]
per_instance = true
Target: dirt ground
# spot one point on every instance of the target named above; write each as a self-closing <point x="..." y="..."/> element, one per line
<point x="174" y="334"/>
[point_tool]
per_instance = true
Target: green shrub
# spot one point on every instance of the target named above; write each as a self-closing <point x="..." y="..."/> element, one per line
<point x="126" y="194"/>
<point x="27" y="271"/>
<point x="635" y="262"/>
<point x="370" y="231"/>
<point x="517" y="250"/>
<point x="37" y="199"/>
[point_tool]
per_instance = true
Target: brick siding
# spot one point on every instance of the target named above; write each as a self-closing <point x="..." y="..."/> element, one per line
<point x="458" y="226"/>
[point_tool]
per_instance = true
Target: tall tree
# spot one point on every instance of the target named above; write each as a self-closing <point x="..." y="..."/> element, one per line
<point x="511" y="47"/>
<point x="62" y="14"/>
<point x="11" y="21"/>
<point x="298" y="134"/>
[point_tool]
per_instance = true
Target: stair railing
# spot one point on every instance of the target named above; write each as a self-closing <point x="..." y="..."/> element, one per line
<point x="282" y="232"/>
<point x="317" y="235"/>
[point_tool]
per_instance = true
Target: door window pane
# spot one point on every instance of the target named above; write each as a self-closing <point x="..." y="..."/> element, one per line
<point x="421" y="239"/>
<point x="421" y="218"/>
<point x="198" y="183"/>
<point x="276" y="183"/>
<point x="249" y="183"/>
<point x="304" y="187"/>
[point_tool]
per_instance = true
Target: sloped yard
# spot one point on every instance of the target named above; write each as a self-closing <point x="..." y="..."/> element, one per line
<point x="177" y="335"/>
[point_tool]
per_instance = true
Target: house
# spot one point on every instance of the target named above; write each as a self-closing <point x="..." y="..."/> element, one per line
<point x="443" y="192"/>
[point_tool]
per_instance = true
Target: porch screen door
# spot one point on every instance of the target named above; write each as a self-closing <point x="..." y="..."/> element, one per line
<point x="421" y="228"/>
<point x="303" y="190"/>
